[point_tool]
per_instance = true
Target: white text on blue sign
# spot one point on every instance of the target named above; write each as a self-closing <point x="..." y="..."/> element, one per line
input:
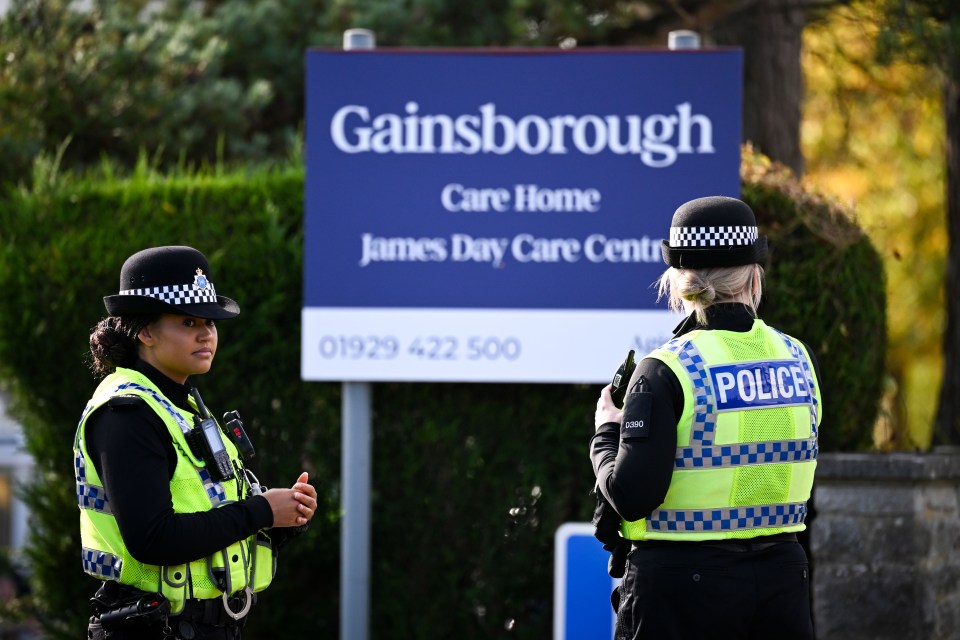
<point x="655" y="138"/>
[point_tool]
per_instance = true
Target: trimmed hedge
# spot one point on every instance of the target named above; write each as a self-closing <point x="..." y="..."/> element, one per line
<point x="470" y="480"/>
<point x="826" y="285"/>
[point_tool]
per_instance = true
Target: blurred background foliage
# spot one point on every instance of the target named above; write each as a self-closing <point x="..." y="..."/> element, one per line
<point x="873" y="136"/>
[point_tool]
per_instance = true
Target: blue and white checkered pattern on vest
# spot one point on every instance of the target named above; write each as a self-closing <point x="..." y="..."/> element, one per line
<point x="91" y="496"/>
<point x="214" y="489"/>
<point x="100" y="563"/>
<point x="703" y="453"/>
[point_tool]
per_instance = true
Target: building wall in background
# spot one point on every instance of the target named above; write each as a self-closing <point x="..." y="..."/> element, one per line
<point x="15" y="468"/>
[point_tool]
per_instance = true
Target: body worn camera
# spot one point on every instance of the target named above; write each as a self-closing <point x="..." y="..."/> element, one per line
<point x="236" y="433"/>
<point x="207" y="442"/>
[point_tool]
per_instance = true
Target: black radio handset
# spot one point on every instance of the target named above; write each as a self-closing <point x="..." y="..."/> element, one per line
<point x="206" y="434"/>
<point x="606" y="521"/>
<point x="618" y="387"/>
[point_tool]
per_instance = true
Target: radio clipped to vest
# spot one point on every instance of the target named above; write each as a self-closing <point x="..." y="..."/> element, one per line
<point x="206" y="441"/>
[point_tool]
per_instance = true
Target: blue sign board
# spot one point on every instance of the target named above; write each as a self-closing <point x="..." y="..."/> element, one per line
<point x="467" y="213"/>
<point x="582" y="586"/>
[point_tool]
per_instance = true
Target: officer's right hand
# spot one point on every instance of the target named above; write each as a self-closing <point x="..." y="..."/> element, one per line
<point x="606" y="410"/>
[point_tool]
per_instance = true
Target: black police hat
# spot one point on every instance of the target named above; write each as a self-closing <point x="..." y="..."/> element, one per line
<point x="716" y="231"/>
<point x="169" y="280"/>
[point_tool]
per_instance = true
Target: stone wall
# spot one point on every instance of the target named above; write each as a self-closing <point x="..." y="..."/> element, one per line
<point x="885" y="546"/>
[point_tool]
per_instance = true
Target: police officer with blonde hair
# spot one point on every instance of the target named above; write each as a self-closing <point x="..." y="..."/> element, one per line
<point x="710" y="462"/>
<point x="172" y="521"/>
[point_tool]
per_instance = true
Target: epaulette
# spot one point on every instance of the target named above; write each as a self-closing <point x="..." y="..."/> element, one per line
<point x="124" y="402"/>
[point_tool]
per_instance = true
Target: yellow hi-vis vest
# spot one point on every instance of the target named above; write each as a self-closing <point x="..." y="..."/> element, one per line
<point x="248" y="564"/>
<point x="746" y="441"/>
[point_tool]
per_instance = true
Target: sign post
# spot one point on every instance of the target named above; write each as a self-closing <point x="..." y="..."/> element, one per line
<point x="355" y="473"/>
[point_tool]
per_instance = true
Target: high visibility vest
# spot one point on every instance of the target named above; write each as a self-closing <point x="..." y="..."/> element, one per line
<point x="746" y="441"/>
<point x="248" y="564"/>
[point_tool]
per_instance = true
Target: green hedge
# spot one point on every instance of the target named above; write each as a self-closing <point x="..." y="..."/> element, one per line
<point x="826" y="285"/>
<point x="470" y="480"/>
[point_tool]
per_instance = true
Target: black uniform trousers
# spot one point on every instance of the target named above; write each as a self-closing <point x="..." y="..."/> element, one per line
<point x="744" y="590"/>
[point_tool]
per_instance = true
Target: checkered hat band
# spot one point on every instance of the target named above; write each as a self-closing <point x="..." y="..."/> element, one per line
<point x="177" y="294"/>
<point x="712" y="236"/>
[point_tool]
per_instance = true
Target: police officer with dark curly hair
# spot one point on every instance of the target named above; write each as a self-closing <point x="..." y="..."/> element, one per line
<point x="710" y="463"/>
<point x="177" y="528"/>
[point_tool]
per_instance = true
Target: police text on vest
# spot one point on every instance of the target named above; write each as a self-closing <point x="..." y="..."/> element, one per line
<point x="758" y="385"/>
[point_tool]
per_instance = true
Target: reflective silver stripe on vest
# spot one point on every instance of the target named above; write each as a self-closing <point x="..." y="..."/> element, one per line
<point x="797" y="353"/>
<point x="89" y="495"/>
<point x="214" y="490"/>
<point x="746" y="453"/>
<point x="101" y="563"/>
<point x="727" y="518"/>
<point x="702" y="453"/>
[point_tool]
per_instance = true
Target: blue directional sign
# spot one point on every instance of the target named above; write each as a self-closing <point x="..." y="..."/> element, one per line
<point x="582" y="586"/>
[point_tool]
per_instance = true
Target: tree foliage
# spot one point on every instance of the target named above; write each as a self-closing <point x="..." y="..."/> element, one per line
<point x="199" y="82"/>
<point x="873" y="134"/>
<point x="929" y="31"/>
<point x="177" y="79"/>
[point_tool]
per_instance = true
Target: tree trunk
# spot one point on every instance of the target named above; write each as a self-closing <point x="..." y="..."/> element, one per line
<point x="947" y="427"/>
<point x="770" y="33"/>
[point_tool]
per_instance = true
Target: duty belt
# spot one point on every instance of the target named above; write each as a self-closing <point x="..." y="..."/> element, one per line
<point x="213" y="612"/>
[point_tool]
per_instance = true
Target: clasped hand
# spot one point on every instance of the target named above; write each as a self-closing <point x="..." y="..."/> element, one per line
<point x="293" y="507"/>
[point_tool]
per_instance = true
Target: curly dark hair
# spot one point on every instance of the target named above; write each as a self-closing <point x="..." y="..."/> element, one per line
<point x="114" y="343"/>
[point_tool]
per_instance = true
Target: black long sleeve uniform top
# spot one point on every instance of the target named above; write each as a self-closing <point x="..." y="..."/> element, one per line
<point x="133" y="453"/>
<point x="633" y="475"/>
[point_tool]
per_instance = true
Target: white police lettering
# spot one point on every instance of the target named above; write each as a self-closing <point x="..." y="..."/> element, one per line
<point x="656" y="139"/>
<point x="633" y="424"/>
<point x="755" y="385"/>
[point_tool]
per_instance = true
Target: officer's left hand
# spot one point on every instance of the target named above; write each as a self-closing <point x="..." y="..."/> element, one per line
<point x="606" y="410"/>
<point x="306" y="495"/>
